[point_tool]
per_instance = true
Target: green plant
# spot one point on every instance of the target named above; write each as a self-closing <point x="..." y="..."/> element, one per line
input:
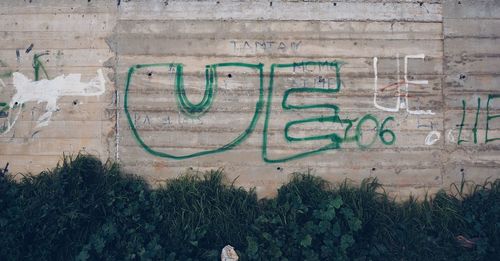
<point x="305" y="222"/>
<point x="84" y="209"/>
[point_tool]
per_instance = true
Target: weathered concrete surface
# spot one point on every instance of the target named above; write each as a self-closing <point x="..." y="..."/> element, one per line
<point x="73" y="34"/>
<point x="342" y="89"/>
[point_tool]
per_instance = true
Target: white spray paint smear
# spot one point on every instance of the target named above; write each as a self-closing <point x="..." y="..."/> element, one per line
<point x="49" y="91"/>
<point x="432" y="138"/>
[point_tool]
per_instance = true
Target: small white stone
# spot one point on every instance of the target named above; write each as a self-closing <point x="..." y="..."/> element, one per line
<point x="228" y="254"/>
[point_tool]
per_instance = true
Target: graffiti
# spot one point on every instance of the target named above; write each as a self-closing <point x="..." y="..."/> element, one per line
<point x="451" y="137"/>
<point x="489" y="118"/>
<point x="185" y="106"/>
<point x="196" y="109"/>
<point x="49" y="91"/>
<point x="406" y="83"/>
<point x="462" y="123"/>
<point x="334" y="140"/>
<point x="353" y="129"/>
<point x="430" y="125"/>
<point x="3" y="110"/>
<point x="258" y="46"/>
<point x="3" y="105"/>
<point x="38" y="64"/>
<point x="45" y="91"/>
<point x="432" y="138"/>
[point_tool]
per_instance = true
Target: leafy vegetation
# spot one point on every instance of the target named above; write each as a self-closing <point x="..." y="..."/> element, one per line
<point x="86" y="210"/>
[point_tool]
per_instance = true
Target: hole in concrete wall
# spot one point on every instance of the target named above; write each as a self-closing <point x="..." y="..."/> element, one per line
<point x="75" y="102"/>
<point x="462" y="76"/>
<point x="461" y="170"/>
<point x="421" y="3"/>
<point x="270" y="3"/>
<point x="334" y="4"/>
<point x="150" y="74"/>
<point x="229" y="75"/>
<point x="279" y="168"/>
<point x="373" y="169"/>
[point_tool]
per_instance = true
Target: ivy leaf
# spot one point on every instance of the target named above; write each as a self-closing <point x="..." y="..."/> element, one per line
<point x="267" y="236"/>
<point x="99" y="244"/>
<point x="336" y="229"/>
<point x="252" y="247"/>
<point x="355" y="224"/>
<point x="323" y="226"/>
<point x="337" y="202"/>
<point x="171" y="256"/>
<point x="83" y="255"/>
<point x="328" y="214"/>
<point x="346" y="241"/>
<point x="306" y="241"/>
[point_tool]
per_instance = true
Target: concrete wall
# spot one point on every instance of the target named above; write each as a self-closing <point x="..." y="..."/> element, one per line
<point x="403" y="90"/>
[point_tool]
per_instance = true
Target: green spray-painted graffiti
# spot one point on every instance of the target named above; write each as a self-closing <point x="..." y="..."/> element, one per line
<point x="4" y="107"/>
<point x="489" y="118"/>
<point x="335" y="140"/>
<point x="191" y="109"/>
<point x="38" y="64"/>
<point x="199" y="109"/>
<point x="4" y="111"/>
<point x="462" y="123"/>
<point x="188" y="108"/>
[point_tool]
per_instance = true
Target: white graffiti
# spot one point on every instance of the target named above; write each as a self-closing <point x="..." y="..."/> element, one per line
<point x="49" y="91"/>
<point x="399" y="104"/>
<point x="451" y="136"/>
<point x="432" y="138"/>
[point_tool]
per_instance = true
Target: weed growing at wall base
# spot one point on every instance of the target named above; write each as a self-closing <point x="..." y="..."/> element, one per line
<point x="84" y="209"/>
